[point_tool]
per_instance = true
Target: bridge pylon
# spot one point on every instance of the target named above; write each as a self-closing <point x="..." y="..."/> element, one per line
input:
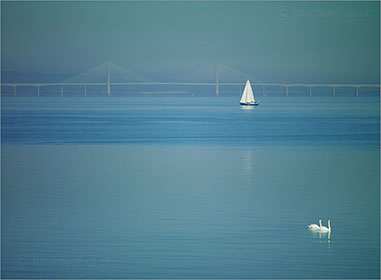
<point x="217" y="85"/>
<point x="108" y="78"/>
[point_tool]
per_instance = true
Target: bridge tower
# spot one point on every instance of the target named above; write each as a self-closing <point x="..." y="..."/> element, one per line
<point x="108" y="78"/>
<point x="217" y="85"/>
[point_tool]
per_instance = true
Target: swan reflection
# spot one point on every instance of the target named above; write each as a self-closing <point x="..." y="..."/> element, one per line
<point x="321" y="236"/>
<point x="324" y="235"/>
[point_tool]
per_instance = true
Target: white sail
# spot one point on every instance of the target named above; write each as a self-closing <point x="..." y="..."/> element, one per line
<point x="247" y="95"/>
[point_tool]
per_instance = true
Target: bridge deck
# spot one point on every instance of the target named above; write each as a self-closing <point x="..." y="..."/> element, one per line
<point x="189" y="84"/>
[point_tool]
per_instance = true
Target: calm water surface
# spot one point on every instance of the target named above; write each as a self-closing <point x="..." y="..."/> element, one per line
<point x="159" y="187"/>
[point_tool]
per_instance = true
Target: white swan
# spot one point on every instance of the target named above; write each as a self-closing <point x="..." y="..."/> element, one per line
<point x="325" y="229"/>
<point x="315" y="226"/>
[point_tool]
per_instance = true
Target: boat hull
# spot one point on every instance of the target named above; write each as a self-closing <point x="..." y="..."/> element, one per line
<point x="249" y="104"/>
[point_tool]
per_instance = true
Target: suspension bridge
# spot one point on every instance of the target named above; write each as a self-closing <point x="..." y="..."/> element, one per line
<point x="214" y="74"/>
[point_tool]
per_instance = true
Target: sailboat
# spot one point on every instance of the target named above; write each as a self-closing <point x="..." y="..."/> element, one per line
<point x="248" y="96"/>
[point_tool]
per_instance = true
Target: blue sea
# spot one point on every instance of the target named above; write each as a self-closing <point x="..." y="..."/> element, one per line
<point x="183" y="187"/>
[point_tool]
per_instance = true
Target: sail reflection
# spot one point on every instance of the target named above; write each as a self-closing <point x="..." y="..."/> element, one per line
<point x="246" y="177"/>
<point x="244" y="107"/>
<point x="247" y="164"/>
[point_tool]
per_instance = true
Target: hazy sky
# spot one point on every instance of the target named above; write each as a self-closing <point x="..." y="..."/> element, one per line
<point x="272" y="41"/>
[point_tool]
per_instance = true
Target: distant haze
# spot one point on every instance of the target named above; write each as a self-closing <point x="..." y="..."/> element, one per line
<point x="320" y="42"/>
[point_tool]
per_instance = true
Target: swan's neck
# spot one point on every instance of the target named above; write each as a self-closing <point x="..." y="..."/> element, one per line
<point x="320" y="223"/>
<point x="329" y="224"/>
